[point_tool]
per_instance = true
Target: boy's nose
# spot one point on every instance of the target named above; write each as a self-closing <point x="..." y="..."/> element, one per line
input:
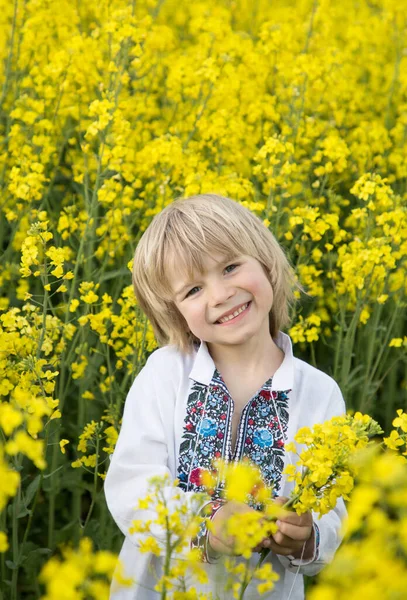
<point x="220" y="293"/>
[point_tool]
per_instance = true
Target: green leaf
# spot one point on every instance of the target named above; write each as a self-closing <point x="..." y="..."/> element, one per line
<point x="31" y="490"/>
<point x="114" y="274"/>
<point x="33" y="557"/>
<point x="23" y="511"/>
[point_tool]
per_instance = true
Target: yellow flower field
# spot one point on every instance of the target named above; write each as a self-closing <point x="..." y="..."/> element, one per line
<point x="109" y="110"/>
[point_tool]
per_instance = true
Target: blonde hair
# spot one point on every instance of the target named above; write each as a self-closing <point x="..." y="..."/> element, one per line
<point x="188" y="230"/>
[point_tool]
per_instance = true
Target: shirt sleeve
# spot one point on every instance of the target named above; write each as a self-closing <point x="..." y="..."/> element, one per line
<point x="141" y="453"/>
<point x="328" y="533"/>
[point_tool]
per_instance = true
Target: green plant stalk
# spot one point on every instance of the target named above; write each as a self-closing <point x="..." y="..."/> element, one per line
<point x="391" y="393"/>
<point x="44" y="306"/>
<point x="246" y="580"/>
<point x="90" y="232"/>
<point x="105" y="534"/>
<point x="111" y="374"/>
<point x="3" y="557"/>
<point x="15" y="548"/>
<point x="38" y="354"/>
<point x="52" y="496"/>
<point x="389" y="333"/>
<point x="168" y="551"/>
<point x="80" y="422"/>
<point x="95" y="485"/>
<point x="338" y="345"/>
<point x="347" y="350"/>
<point x="369" y="358"/>
<point x="32" y="511"/>
<point x="313" y="357"/>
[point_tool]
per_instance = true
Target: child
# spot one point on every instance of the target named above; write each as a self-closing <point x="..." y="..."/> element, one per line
<point x="217" y="287"/>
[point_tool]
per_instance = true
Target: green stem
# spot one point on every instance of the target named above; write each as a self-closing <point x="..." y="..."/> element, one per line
<point x="44" y="320"/>
<point x="247" y="579"/>
<point x="385" y="346"/>
<point x="338" y="347"/>
<point x="52" y="496"/>
<point x="390" y="393"/>
<point x="347" y="349"/>
<point x="369" y="358"/>
<point x="32" y="511"/>
<point x="3" y="554"/>
<point x="168" y="550"/>
<point x="15" y="508"/>
<point x="313" y="357"/>
<point x="95" y="485"/>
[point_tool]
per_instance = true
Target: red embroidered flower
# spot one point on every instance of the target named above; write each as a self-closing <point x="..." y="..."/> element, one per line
<point x="280" y="444"/>
<point x="189" y="426"/>
<point x="195" y="476"/>
<point x="265" y="394"/>
<point x="274" y="394"/>
<point x="251" y="422"/>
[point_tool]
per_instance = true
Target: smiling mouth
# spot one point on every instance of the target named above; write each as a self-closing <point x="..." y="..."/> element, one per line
<point x="233" y="315"/>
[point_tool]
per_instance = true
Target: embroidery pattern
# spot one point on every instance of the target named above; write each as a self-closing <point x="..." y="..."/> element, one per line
<point x="207" y="433"/>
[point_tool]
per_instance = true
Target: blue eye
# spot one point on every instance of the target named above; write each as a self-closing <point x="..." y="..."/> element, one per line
<point x="192" y="292"/>
<point x="231" y="267"/>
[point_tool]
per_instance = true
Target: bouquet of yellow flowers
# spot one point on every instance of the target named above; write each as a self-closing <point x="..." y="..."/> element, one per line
<point x="325" y="470"/>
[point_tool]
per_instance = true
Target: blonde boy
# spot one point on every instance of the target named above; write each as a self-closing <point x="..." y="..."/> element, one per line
<point x="217" y="289"/>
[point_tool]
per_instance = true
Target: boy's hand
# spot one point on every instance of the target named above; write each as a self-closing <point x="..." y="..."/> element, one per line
<point x="293" y="532"/>
<point x="219" y="541"/>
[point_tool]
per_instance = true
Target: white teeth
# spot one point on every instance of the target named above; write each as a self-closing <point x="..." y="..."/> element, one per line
<point x="233" y="315"/>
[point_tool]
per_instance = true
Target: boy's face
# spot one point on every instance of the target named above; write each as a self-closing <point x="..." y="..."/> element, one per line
<point x="228" y="303"/>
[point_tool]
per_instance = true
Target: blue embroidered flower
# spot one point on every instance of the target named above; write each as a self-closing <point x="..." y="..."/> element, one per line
<point x="265" y="410"/>
<point x="208" y="427"/>
<point x="257" y="457"/>
<point x="206" y="449"/>
<point x="263" y="438"/>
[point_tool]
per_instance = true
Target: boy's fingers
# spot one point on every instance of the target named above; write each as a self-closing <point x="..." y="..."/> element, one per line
<point x="281" y="500"/>
<point x="293" y="532"/>
<point x="264" y="544"/>
<point x="304" y="520"/>
<point x="281" y="549"/>
<point x="219" y="545"/>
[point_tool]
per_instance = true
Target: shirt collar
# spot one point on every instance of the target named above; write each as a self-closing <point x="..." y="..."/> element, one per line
<point x="283" y="379"/>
